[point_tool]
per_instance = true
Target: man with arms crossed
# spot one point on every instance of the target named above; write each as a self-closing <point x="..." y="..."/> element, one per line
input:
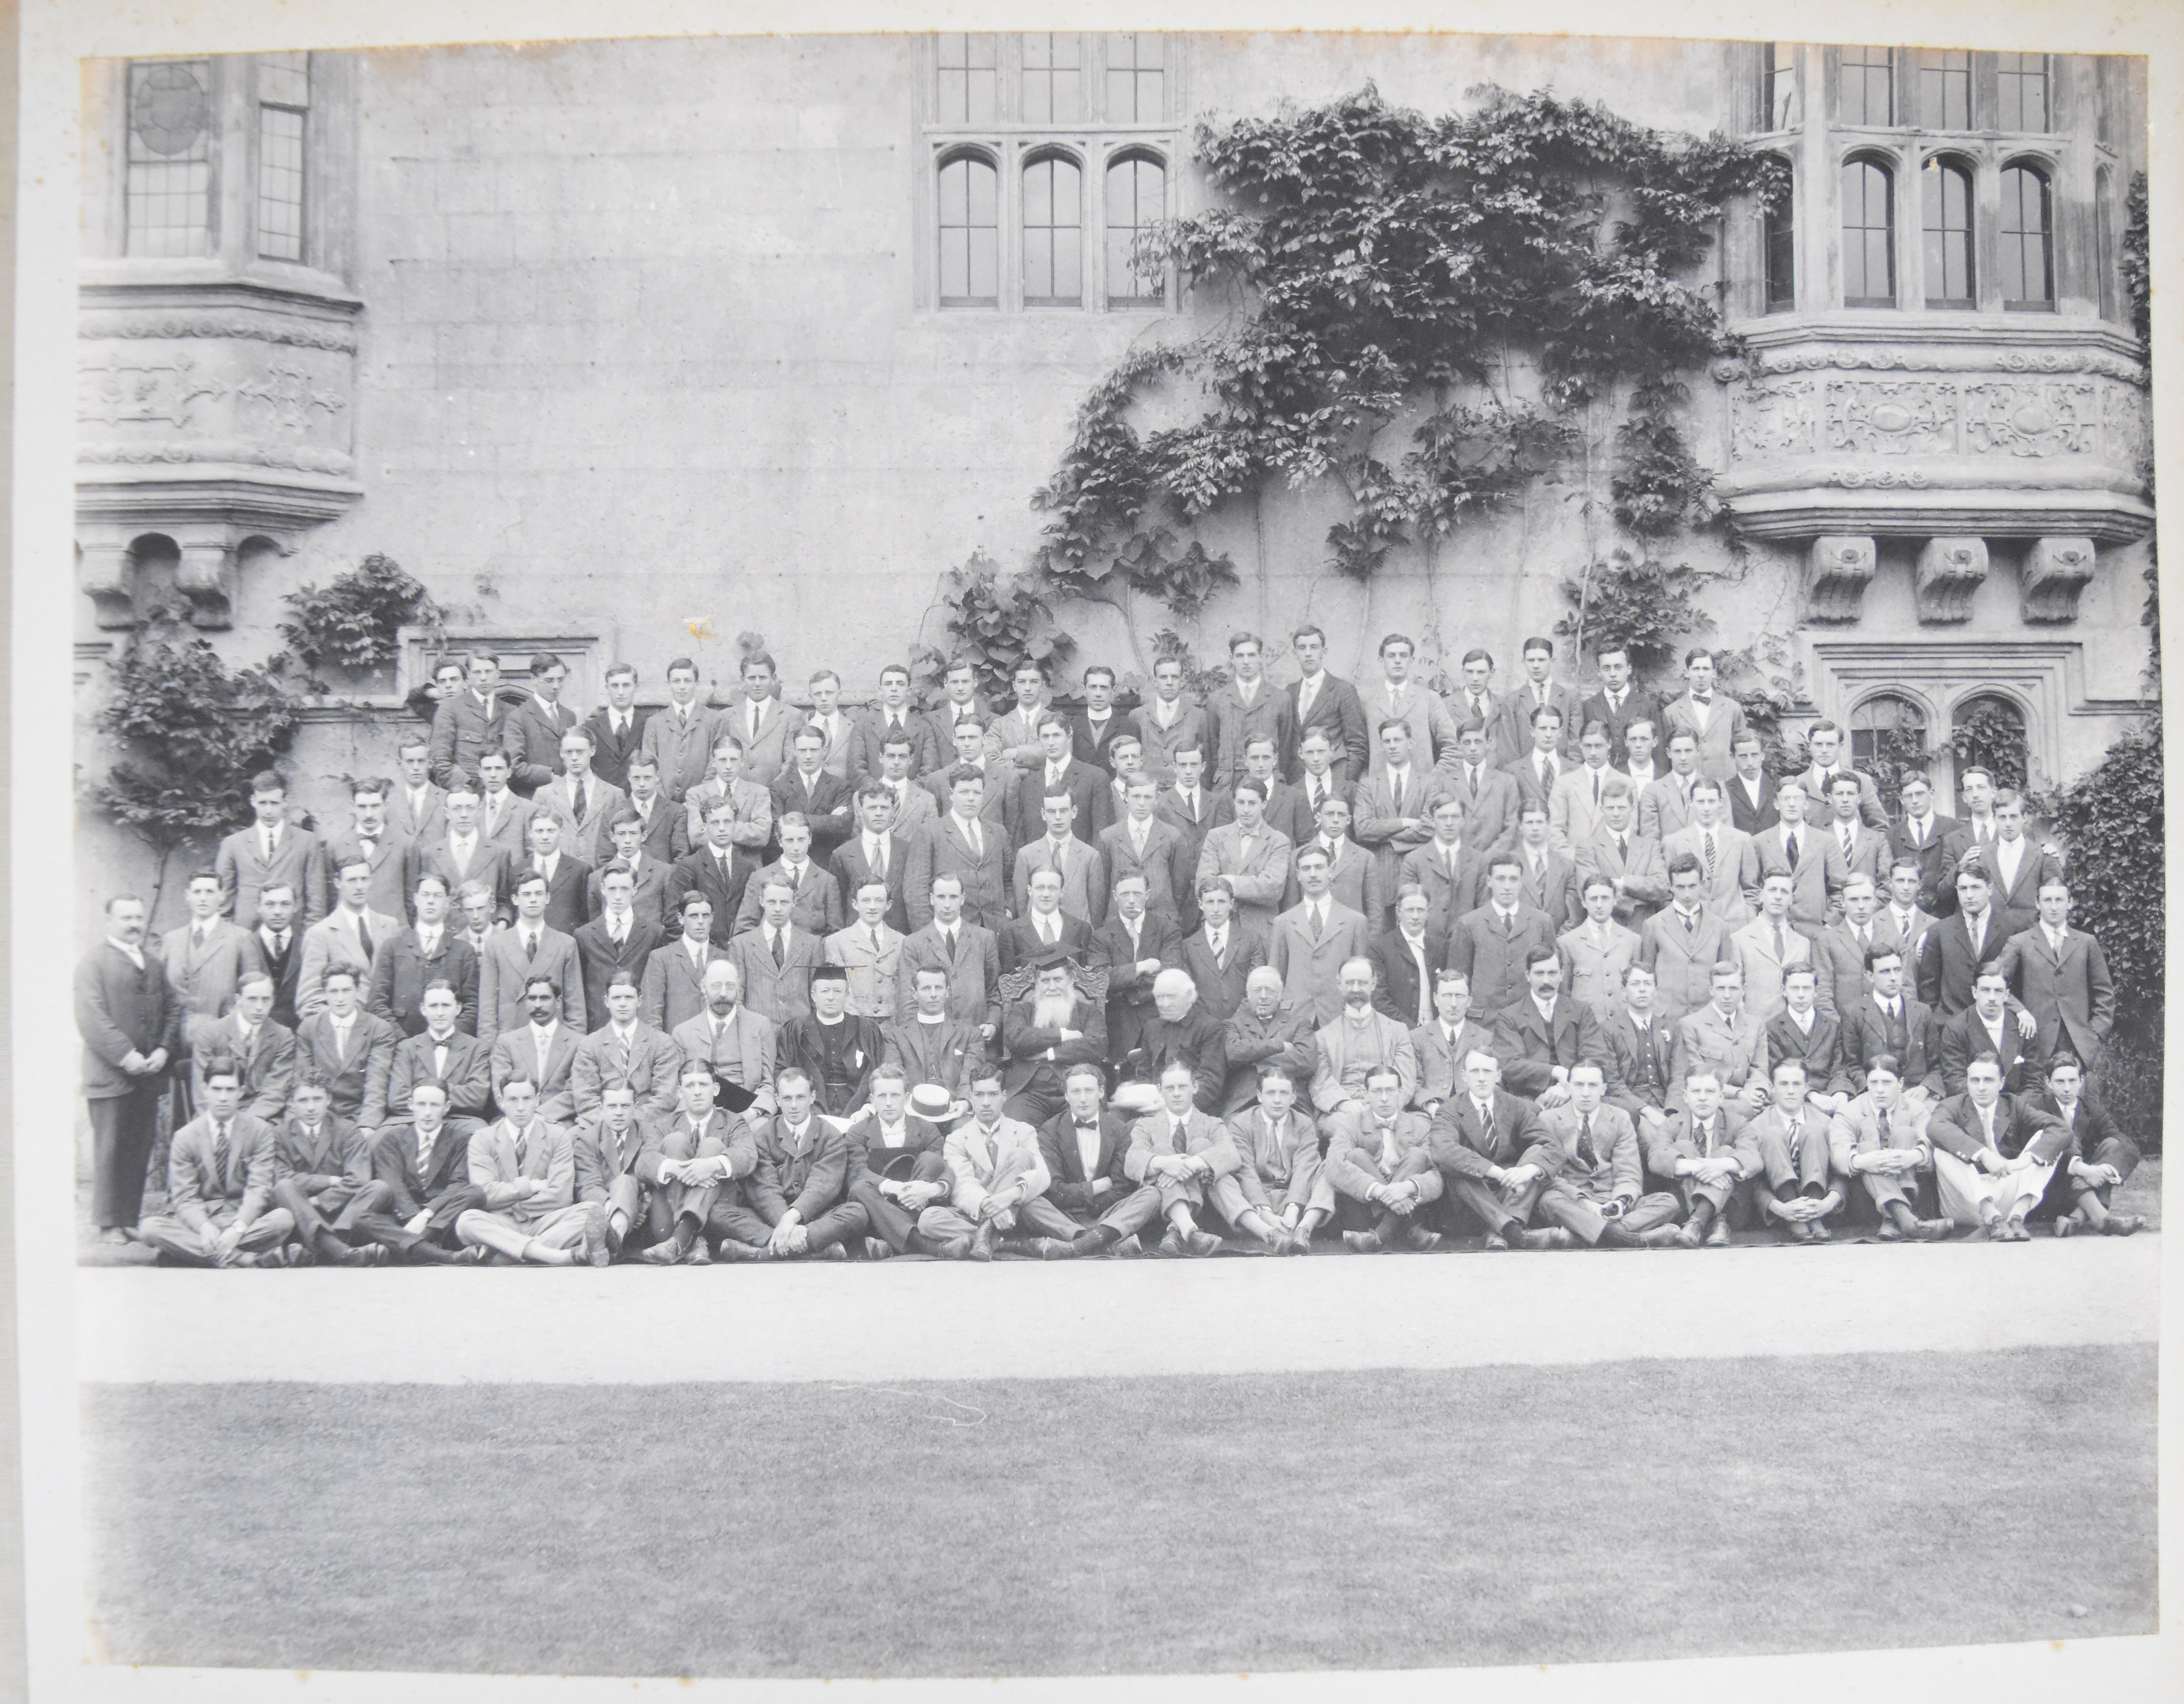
<point x="1993" y="1154"/>
<point x="527" y="1169"/>
<point x="1878" y="1139"/>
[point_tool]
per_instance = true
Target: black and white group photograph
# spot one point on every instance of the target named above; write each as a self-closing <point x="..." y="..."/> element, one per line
<point x="1251" y="850"/>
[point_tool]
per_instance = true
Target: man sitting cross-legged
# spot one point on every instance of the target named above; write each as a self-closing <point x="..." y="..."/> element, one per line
<point x="1381" y="1169"/>
<point x="425" y="1163"/>
<point x="1183" y="1154"/>
<point x="1993" y="1153"/>
<point x="999" y="1184"/>
<point x="1596" y="1191"/>
<point x="1494" y="1154"/>
<point x="322" y="1176"/>
<point x="1792" y="1140"/>
<point x="794" y="1203"/>
<point x="610" y="1144"/>
<point x="1281" y="1174"/>
<point x="898" y="1158"/>
<point x="2101" y="1157"/>
<point x="1085" y="1146"/>
<point x="1700" y="1148"/>
<point x="1880" y="1138"/>
<point x="219" y="1183"/>
<point x="527" y="1169"/>
<point x="704" y="1149"/>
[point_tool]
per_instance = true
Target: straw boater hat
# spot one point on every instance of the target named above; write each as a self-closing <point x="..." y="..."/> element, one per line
<point x="931" y="1103"/>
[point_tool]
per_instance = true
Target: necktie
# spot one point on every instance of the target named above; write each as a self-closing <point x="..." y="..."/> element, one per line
<point x="1710" y="857"/>
<point x="879" y="859"/>
<point x="1046" y="930"/>
<point x="948" y="940"/>
<point x="1219" y="942"/>
<point x="1191" y="798"/>
<point x="220" y="1156"/>
<point x="1548" y="773"/>
<point x="1595" y="789"/>
<point x="1847" y="841"/>
<point x="198" y="933"/>
<point x="1623" y="849"/>
<point x="522" y="1149"/>
<point x="1312" y="914"/>
<point x="579" y="802"/>
<point x="977" y="840"/>
<point x="1781" y="947"/>
<point x="268" y="838"/>
<point x="1790" y="849"/>
<point x="618" y="932"/>
<point x="341" y="1042"/>
<point x="280" y="943"/>
<point x="1797" y="1136"/>
<point x="1396" y="790"/>
<point x="1691" y="922"/>
<point x="1585" y="1155"/>
<point x="363" y="937"/>
<point x="1918" y="833"/>
<point x="530" y="945"/>
<point x="780" y="953"/>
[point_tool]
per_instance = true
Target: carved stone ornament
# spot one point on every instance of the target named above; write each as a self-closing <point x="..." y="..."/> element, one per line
<point x="2028" y="417"/>
<point x="1941" y="359"/>
<point x="2055" y="571"/>
<point x="1892" y="417"/>
<point x="1768" y="420"/>
<point x="1950" y="569"/>
<point x="1838" y="570"/>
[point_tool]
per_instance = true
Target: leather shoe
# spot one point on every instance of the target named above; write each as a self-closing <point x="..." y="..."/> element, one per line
<point x="662" y="1253"/>
<point x="731" y="1250"/>
<point x="1689" y="1235"/>
<point x="1549" y="1237"/>
<point x="878" y="1249"/>
<point x="1363" y="1242"/>
<point x="834" y="1251"/>
<point x="1055" y="1248"/>
<point x="1172" y="1243"/>
<point x="2123" y="1225"/>
<point x="1932" y="1230"/>
<point x="1299" y="1242"/>
<point x="1129" y="1248"/>
<point x="1495" y="1240"/>
<point x="1421" y="1240"/>
<point x="1202" y="1243"/>
<point x="982" y="1241"/>
<point x="699" y="1254"/>
<point x="1717" y="1238"/>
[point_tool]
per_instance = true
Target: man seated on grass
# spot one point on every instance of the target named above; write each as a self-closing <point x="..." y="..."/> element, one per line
<point x="1993" y="1153"/>
<point x="1085" y="1146"/>
<point x="898" y="1155"/>
<point x="527" y="1169"/>
<point x="2102" y="1157"/>
<point x="1700" y="1149"/>
<point x="704" y="1154"/>
<point x="1185" y="1155"/>
<point x="609" y="1145"/>
<point x="1382" y="1169"/>
<point x="219" y="1183"/>
<point x="1494" y="1154"/>
<point x="1000" y="1184"/>
<point x="1278" y="1145"/>
<point x="1596" y="1194"/>
<point x="425" y="1163"/>
<point x="794" y="1202"/>
<point x="1792" y="1140"/>
<point x="322" y="1176"/>
<point x="1878" y="1139"/>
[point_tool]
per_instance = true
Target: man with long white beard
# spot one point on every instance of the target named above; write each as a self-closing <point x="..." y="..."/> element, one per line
<point x="1046" y="1029"/>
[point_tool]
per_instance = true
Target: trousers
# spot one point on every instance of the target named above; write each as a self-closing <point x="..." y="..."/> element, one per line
<point x="1563" y="1203"/>
<point x="179" y="1241"/>
<point x="123" y="1129"/>
<point x="952" y="1228"/>
<point x="732" y="1221"/>
<point x="1964" y="1189"/>
<point x="885" y="1218"/>
<point x="559" y="1228"/>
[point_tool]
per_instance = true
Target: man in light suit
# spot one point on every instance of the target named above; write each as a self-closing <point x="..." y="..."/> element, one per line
<point x="1489" y="945"/>
<point x="756" y="715"/>
<point x="1016" y="730"/>
<point x="459" y="852"/>
<point x="347" y="1051"/>
<point x="1682" y="944"/>
<point x="1447" y="869"/>
<point x="679" y="737"/>
<point x="1220" y="954"/>
<point x="914" y="803"/>
<point x="1724" y="1038"/>
<point x="1476" y="700"/>
<point x="1142" y="845"/>
<point x="1539" y="769"/>
<point x="1712" y="717"/>
<point x="1701" y="1150"/>
<point x="870" y="951"/>
<point x="503" y="814"/>
<point x="1061" y="849"/>
<point x="722" y="871"/>
<point x="1188" y="1156"/>
<point x="130" y="1018"/>
<point x="1597" y="951"/>
<point x="2061" y="976"/>
<point x="207" y="958"/>
<point x="513" y="956"/>
<point x="968" y="955"/>
<point x="1357" y="1041"/>
<point x="1596" y="1192"/>
<point x="626" y="1049"/>
<point x="733" y="1042"/>
<point x="1839" y="950"/>
<point x="469" y="722"/>
<point x="1719" y="849"/>
<point x="1993" y="1154"/>
<point x="1441" y="1045"/>
<point x="1393" y="812"/>
<point x="1549" y="882"/>
<point x="1254" y="857"/>
<point x="1353" y="874"/>
<point x="1168" y="724"/>
<point x="961" y="705"/>
<point x="961" y="845"/>
<point x="1824" y="741"/>
<point x="1309" y="943"/>
<point x="1084" y="1148"/>
<point x="699" y="1155"/>
<point x="1494" y="1155"/>
<point x="616" y="727"/>
<point x="1878" y="1141"/>
<point x="414" y="798"/>
<point x="775" y="960"/>
<point x="1805" y="852"/>
<point x="1245" y="707"/>
<point x="1326" y="703"/>
<point x="1380" y="1171"/>
<point x="1769" y="946"/>
<point x="527" y="1169"/>
<point x="998" y="1182"/>
<point x="1396" y="696"/>
<point x="1573" y="808"/>
<point x="1664" y="807"/>
<point x="582" y="802"/>
<point x="816" y="906"/>
<point x="220" y="1173"/>
<point x="825" y="687"/>
<point x="271" y="849"/>
<point x="617" y="939"/>
<point x="386" y="853"/>
<point x="1792" y="1137"/>
<point x="660" y="823"/>
<point x="1489" y="794"/>
<point x="543" y="1052"/>
<point x="1617" y="704"/>
<point x="1265" y="1031"/>
<point x="878" y="852"/>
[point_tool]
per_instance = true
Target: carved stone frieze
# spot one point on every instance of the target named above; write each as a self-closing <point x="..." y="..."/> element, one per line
<point x="2054" y="572"/>
<point x="1846" y="357"/>
<point x="1837" y="571"/>
<point x="2030" y="417"/>
<point x="1950" y="569"/>
<point x="1890" y="417"/>
<point x="1769" y="420"/>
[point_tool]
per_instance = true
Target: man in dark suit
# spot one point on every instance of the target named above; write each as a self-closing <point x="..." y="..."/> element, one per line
<point x="347" y="1051"/>
<point x="1179" y="1030"/>
<point x="1887" y="1021"/>
<point x="322" y="1176"/>
<point x="536" y="720"/>
<point x="371" y="840"/>
<point x="891" y="715"/>
<point x="1329" y="704"/>
<point x="1267" y="1031"/>
<point x="821" y="797"/>
<point x="1989" y="1027"/>
<point x="1489" y="945"/>
<point x="720" y="870"/>
<point x="2016" y="868"/>
<point x="1084" y="1147"/>
<point x="131" y="1024"/>
<point x="1044" y="929"/>
<point x="875" y="853"/>
<point x="1190" y="805"/>
<point x="616" y="727"/>
<point x="2061" y="976"/>
<point x="1134" y="945"/>
<point x="965" y="843"/>
<point x="1092" y="728"/>
<point x="1617" y="703"/>
<point x="471" y="722"/>
<point x="281" y="946"/>
<point x="440" y="1053"/>
<point x="928" y="1042"/>
<point x="1494" y="1154"/>
<point x="617" y="939"/>
<point x="837" y="1051"/>
<point x="1640" y="1052"/>
<point x="1539" y="1038"/>
<point x="425" y="1163"/>
<point x="1060" y="773"/>
<point x="431" y="949"/>
<point x="1923" y="834"/>
<point x="967" y="954"/>
<point x="1050" y="1027"/>
<point x="1139" y="844"/>
<point x="660" y="820"/>
<point x="1751" y="790"/>
<point x="2100" y="1160"/>
<point x="568" y="877"/>
<point x="1957" y="947"/>
<point x="1407" y="959"/>
<point x="1993" y="1153"/>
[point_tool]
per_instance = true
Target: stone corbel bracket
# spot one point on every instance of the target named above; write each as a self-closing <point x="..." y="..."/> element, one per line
<point x="1838" y="570"/>
<point x="1950" y="570"/>
<point x="2054" y="572"/>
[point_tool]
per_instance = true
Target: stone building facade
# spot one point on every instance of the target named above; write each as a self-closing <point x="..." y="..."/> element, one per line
<point x="625" y="348"/>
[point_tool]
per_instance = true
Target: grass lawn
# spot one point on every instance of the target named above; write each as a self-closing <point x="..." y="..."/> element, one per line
<point x="1488" y="1516"/>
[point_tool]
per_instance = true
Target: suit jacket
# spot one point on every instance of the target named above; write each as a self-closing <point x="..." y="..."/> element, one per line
<point x="1572" y="813"/>
<point x="532" y="741"/>
<point x="1949" y="963"/>
<point x="1664" y="807"/>
<point x="603" y="1159"/>
<point x="683" y="746"/>
<point x="1838" y="957"/>
<point x="1039" y="1058"/>
<point x="1867" y="855"/>
<point x="1464" y="1146"/>
<point x="753" y="820"/>
<point x="584" y="837"/>
<point x="1261" y="880"/>
<point x="268" y="1060"/>
<point x="1440" y="1061"/>
<point x="744" y="1051"/>
<point x="487" y="865"/>
<point x="1736" y="1047"/>
<point x="1215" y="810"/>
<point x="1592" y="969"/>
<point x="337" y="1152"/>
<point x="1716" y="730"/>
<point x="942" y="848"/>
<point x="1221" y="981"/>
<point x="1511" y="727"/>
<point x="1157" y="1135"/>
<point x="598" y="958"/>
<point x="934" y="1053"/>
<point x="1343" y="1053"/>
<point x="784" y="991"/>
<point x="1754" y="818"/>
<point x="1070" y="1184"/>
<point x="1354" y="880"/>
<point x="1533" y="790"/>
<point x="1886" y="926"/>
<point x="1234" y="724"/>
<point x="648" y="1066"/>
<point x="1494" y="959"/>
<point x="1084" y="886"/>
<point x="1530" y="1048"/>
<point x="121" y="1010"/>
<point x="356" y="1080"/>
<point x="1291" y="811"/>
<point x="406" y="821"/>
<point x="1683" y="960"/>
<point x="818" y="906"/>
<point x="1377" y="820"/>
<point x="1856" y="1129"/>
<point x="503" y="969"/>
<point x="870" y="728"/>
<point x="1004" y="1162"/>
<point x="825" y="803"/>
<point x="198" y="1184"/>
<point x="1680" y="1138"/>
<point x="464" y="730"/>
<point x="1489" y="805"/>
<point x="801" y="1043"/>
<point x="1192" y="731"/>
<point x="496" y="1167"/>
<point x="394" y="1163"/>
<point x="1311" y="969"/>
<point x="1553" y="889"/>
<point x="1337" y="711"/>
<point x="1825" y="1049"/>
<point x="400" y="970"/>
<point x="1869" y="809"/>
<point x="664" y="836"/>
<point x="1399" y="991"/>
<point x="1963" y="1037"/>
<point x="1171" y="875"/>
<point x="1763" y="970"/>
<point x="1726" y="896"/>
<point x="974" y="973"/>
<point x="612" y="751"/>
<point x="2017" y="903"/>
<point x="1638" y="705"/>
<point x="1448" y="896"/>
<point x="1086" y="785"/>
<point x="1249" y="1041"/>
<point x="468" y="1077"/>
<point x="389" y="859"/>
<point x="1020" y="944"/>
<point x="1815" y="881"/>
<point x="874" y="970"/>
<point x="841" y="732"/>
<point x="298" y="860"/>
<point x="940" y="730"/>
<point x="1908" y="1035"/>
<point x="287" y="970"/>
<point x="1614" y="1167"/>
<point x="332" y="944"/>
<point x="1015" y="730"/>
<point x="994" y="806"/>
<point x="648" y="899"/>
<point x="2019" y="1124"/>
<point x="852" y="870"/>
<point x="801" y="1172"/>
<point x="2070" y="993"/>
<point x="1195" y="1039"/>
<point x="1642" y="1058"/>
<point x="1088" y="744"/>
<point x="1433" y="728"/>
<point x="728" y="895"/>
<point x="505" y="822"/>
<point x="1158" y="938"/>
<point x="1937" y="871"/>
